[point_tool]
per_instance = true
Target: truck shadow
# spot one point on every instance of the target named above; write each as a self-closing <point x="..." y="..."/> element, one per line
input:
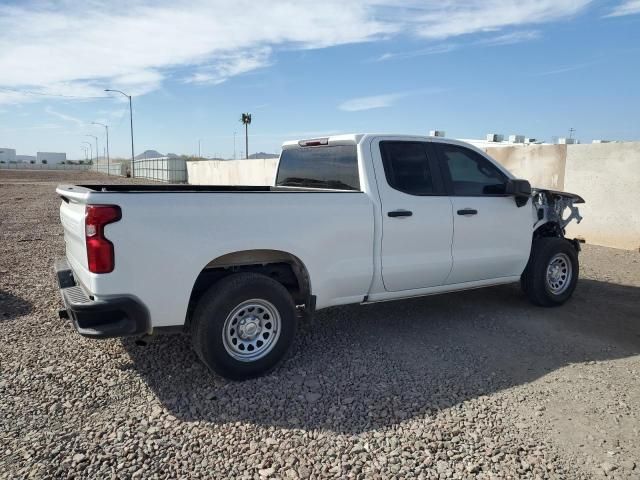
<point x="378" y="365"/>
<point x="13" y="307"/>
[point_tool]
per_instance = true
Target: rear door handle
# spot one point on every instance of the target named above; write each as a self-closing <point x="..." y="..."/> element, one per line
<point x="400" y="213"/>
<point x="467" y="211"/>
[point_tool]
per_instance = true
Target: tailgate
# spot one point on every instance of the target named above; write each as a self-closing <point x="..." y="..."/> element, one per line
<point x="72" y="213"/>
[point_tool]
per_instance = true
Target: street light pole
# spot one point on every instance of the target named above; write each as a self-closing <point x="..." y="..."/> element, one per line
<point x="133" y="159"/>
<point x="106" y="127"/>
<point x="91" y="149"/>
<point x="234" y="145"/>
<point x="97" y="149"/>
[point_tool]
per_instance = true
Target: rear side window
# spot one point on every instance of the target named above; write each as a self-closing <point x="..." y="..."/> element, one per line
<point x="406" y="167"/>
<point x="333" y="167"/>
<point x="471" y="174"/>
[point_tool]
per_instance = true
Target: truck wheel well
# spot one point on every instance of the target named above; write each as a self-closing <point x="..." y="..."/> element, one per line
<point x="554" y="230"/>
<point x="285" y="268"/>
<point x="549" y="229"/>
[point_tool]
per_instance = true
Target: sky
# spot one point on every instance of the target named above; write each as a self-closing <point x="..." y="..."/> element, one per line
<point x="308" y="68"/>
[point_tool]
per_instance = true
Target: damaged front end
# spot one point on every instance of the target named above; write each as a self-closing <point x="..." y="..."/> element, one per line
<point x="551" y="208"/>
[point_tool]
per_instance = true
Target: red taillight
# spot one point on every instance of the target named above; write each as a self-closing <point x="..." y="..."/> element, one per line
<point x="100" y="255"/>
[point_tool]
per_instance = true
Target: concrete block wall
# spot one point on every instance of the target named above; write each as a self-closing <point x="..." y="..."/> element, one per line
<point x="606" y="175"/>
<point x="258" y="171"/>
<point x="542" y="165"/>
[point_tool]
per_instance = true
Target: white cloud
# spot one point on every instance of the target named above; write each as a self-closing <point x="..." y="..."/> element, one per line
<point x="77" y="48"/>
<point x="447" y="19"/>
<point x="630" y="7"/>
<point x="385" y="100"/>
<point x="434" y="50"/>
<point x="565" y="68"/>
<point x="510" y="38"/>
<point x="369" y="103"/>
<point x="12" y="97"/>
<point x="229" y="66"/>
<point x="68" y="118"/>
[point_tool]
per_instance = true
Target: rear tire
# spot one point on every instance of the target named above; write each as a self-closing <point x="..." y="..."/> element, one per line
<point x="243" y="325"/>
<point x="551" y="274"/>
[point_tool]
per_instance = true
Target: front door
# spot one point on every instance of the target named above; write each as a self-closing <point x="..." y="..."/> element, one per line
<point x="417" y="223"/>
<point x="493" y="235"/>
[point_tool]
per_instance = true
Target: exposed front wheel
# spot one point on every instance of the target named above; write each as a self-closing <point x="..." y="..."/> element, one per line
<point x="552" y="272"/>
<point x="243" y="325"/>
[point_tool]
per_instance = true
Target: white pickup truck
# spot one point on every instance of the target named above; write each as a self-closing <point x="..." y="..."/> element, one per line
<point x="351" y="219"/>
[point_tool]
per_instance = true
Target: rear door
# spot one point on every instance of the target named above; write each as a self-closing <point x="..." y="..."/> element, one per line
<point x="417" y="224"/>
<point x="492" y="236"/>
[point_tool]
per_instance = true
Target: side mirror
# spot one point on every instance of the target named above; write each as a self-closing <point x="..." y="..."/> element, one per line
<point x="520" y="189"/>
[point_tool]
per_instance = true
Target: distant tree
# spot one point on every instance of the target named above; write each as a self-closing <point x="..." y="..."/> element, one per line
<point x="44" y="162"/>
<point x="32" y="162"/>
<point x="245" y="119"/>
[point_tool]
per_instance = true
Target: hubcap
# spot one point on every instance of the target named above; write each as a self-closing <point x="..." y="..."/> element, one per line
<point x="251" y="330"/>
<point x="559" y="273"/>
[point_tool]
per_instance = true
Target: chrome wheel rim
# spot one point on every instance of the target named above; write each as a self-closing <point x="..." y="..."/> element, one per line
<point x="251" y="330"/>
<point x="559" y="273"/>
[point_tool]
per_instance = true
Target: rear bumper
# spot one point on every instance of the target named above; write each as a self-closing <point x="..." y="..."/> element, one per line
<point x="111" y="317"/>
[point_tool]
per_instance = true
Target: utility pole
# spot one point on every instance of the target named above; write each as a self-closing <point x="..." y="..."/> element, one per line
<point x="133" y="159"/>
<point x="571" y="131"/>
<point x="246" y="121"/>
<point x="106" y="127"/>
<point x="199" y="156"/>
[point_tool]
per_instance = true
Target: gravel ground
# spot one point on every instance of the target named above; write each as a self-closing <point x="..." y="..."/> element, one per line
<point x="474" y="384"/>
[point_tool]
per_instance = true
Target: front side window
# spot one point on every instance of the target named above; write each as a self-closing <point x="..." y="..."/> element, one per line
<point x="334" y="167"/>
<point x="406" y="167"/>
<point x="471" y="174"/>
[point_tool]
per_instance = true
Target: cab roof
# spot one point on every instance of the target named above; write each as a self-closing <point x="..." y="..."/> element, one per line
<point x="356" y="138"/>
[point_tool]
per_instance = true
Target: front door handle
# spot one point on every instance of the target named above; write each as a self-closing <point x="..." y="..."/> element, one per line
<point x="467" y="211"/>
<point x="400" y="213"/>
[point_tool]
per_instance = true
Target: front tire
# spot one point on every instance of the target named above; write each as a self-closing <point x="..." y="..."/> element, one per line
<point x="551" y="274"/>
<point x="243" y="325"/>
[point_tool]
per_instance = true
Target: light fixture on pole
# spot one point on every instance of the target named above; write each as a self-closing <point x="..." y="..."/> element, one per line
<point x="133" y="174"/>
<point x="106" y="127"/>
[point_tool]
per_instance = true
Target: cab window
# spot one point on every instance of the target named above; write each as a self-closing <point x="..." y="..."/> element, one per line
<point x="471" y="174"/>
<point x="407" y="168"/>
<point x="332" y="167"/>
